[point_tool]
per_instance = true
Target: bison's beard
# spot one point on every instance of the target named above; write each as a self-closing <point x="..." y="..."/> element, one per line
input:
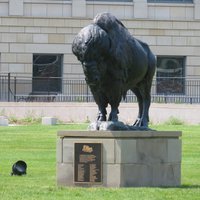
<point x="95" y="72"/>
<point x="94" y="81"/>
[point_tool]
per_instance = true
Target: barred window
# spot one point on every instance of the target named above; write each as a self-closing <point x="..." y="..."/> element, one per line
<point x="47" y="69"/>
<point x="170" y="75"/>
<point x="170" y="1"/>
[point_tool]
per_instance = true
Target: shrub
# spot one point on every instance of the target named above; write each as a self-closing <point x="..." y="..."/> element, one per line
<point x="174" y="121"/>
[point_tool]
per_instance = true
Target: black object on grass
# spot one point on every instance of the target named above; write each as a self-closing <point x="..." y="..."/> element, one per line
<point x="19" y="168"/>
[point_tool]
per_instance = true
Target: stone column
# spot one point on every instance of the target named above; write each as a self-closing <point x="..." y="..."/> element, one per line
<point x="140" y="9"/>
<point x="78" y="8"/>
<point x="16" y="7"/>
<point x="196" y="9"/>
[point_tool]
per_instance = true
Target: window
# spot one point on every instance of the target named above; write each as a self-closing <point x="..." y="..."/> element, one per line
<point x="170" y="75"/>
<point x="47" y="72"/>
<point x="170" y="1"/>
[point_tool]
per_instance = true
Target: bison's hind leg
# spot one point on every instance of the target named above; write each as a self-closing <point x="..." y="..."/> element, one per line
<point x="139" y="121"/>
<point x="144" y="99"/>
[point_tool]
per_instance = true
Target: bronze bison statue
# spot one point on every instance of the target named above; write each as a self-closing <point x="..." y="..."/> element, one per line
<point x="114" y="62"/>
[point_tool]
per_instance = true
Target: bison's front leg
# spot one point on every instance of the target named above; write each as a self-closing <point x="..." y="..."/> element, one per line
<point x="113" y="116"/>
<point x="101" y="116"/>
<point x="115" y="94"/>
<point x="101" y="101"/>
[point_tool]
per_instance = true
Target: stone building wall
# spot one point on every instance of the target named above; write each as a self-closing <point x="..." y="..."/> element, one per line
<point x="20" y="37"/>
<point x="127" y="9"/>
<point x="48" y="27"/>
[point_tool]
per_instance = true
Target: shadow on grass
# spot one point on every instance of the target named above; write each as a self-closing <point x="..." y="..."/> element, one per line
<point x="189" y="186"/>
<point x="184" y="186"/>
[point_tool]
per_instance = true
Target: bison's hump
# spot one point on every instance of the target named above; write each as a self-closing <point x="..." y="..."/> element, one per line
<point x="91" y="38"/>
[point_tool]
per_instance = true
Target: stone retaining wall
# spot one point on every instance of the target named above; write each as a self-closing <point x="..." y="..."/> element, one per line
<point x="82" y="112"/>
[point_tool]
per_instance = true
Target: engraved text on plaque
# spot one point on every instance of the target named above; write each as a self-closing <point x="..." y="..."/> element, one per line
<point x="88" y="163"/>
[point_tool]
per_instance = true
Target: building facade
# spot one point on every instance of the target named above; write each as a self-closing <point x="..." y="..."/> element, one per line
<point x="36" y="38"/>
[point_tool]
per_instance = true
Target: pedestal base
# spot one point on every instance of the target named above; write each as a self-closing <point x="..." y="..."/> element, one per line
<point x="49" y="121"/>
<point x="129" y="158"/>
<point x="3" y="121"/>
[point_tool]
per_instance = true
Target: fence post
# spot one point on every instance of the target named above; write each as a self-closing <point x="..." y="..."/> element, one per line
<point x="8" y="87"/>
<point x="87" y="97"/>
<point x="15" y="88"/>
<point x="48" y="85"/>
<point x="190" y="100"/>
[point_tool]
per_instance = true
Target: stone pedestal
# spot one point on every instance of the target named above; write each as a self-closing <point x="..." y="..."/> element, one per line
<point x="129" y="158"/>
<point x="49" y="121"/>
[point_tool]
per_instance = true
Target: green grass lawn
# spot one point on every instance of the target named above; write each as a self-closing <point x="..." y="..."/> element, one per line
<point x="36" y="144"/>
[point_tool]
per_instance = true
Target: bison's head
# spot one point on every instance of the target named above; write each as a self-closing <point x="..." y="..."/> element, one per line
<point x="91" y="47"/>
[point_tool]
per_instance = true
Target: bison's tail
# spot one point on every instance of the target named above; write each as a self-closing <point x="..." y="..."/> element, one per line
<point x="152" y="62"/>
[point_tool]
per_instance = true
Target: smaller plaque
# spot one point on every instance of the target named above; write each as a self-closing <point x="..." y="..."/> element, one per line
<point x="88" y="163"/>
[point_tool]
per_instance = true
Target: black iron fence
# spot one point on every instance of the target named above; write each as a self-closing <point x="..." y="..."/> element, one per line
<point x="29" y="89"/>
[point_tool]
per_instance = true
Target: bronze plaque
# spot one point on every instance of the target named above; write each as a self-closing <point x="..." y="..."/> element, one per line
<point x="88" y="163"/>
